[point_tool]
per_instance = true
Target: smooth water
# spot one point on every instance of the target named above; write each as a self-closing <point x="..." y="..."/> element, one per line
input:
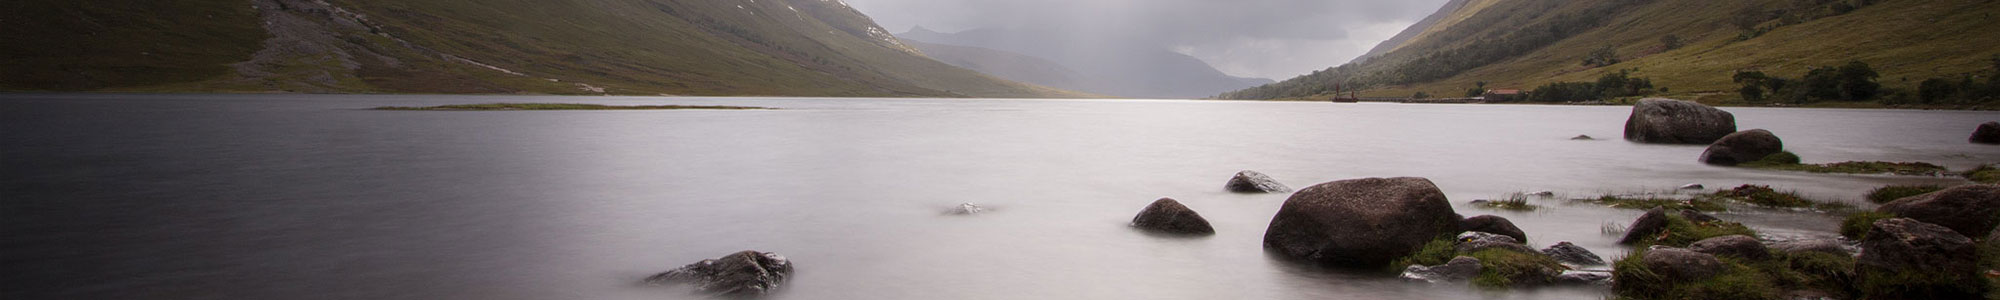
<point x="314" y="197"/>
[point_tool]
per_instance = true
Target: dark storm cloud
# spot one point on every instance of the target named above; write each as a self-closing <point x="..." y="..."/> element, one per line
<point x="1261" y="38"/>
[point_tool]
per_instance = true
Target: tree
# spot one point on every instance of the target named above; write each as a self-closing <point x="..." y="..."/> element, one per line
<point x="1604" y="56"/>
<point x="1822" y="83"/>
<point x="1672" y="42"/>
<point x="1753" y="85"/>
<point x="1936" y="90"/>
<point x="1420" y="95"/>
<point x="1478" y="89"/>
<point x="1857" y="81"/>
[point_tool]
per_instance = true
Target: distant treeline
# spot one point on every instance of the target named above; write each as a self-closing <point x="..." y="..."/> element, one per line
<point x="1855" y="81"/>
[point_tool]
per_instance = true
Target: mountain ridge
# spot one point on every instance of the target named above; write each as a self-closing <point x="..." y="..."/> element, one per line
<point x="1111" y="67"/>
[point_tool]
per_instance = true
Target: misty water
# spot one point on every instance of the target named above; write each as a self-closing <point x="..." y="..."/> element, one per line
<point x="315" y="197"/>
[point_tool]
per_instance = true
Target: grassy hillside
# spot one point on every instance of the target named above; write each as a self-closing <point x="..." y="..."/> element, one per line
<point x="1907" y="41"/>
<point x="88" y="45"/>
<point x="686" y="47"/>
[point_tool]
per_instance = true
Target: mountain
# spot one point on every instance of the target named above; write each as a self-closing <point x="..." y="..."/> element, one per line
<point x="1003" y="64"/>
<point x="1528" y="43"/>
<point x="1110" y="66"/>
<point x="642" y="47"/>
<point x="1450" y="14"/>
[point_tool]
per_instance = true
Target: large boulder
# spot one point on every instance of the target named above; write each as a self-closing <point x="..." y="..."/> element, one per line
<point x="1682" y="265"/>
<point x="1899" y="247"/>
<point x="1988" y="133"/>
<point x="1742" y="147"/>
<point x="1494" y="225"/>
<point x="747" y="273"/>
<point x="1646" y="227"/>
<point x="1572" y="254"/>
<point x="1971" y="210"/>
<point x="1740" y="246"/>
<point x="1669" y="121"/>
<point x="1252" y="182"/>
<point x="1364" y="223"/>
<point x="1169" y="216"/>
<point x="1460" y="268"/>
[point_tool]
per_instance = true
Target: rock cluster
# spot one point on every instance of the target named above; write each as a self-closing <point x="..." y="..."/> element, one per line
<point x="1971" y="210"/>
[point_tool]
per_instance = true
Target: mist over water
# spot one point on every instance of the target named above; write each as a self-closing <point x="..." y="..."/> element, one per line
<point x="314" y="197"/>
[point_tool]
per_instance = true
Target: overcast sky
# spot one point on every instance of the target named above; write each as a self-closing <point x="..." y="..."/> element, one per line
<point x="1275" y="39"/>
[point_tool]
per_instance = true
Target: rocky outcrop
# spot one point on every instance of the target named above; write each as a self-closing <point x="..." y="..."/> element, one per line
<point x="1971" y="210"/>
<point x="747" y="273"/>
<point x="1572" y="254"/>
<point x="1740" y="246"/>
<point x="1988" y="133"/>
<point x="1169" y="216"/>
<point x="1494" y="225"/>
<point x="1460" y="268"/>
<point x="1646" y="227"/>
<point x="1363" y="223"/>
<point x="1682" y="265"/>
<point x="1253" y="182"/>
<point x="1742" y="147"/>
<point x="1669" y="121"/>
<point x="1903" y="246"/>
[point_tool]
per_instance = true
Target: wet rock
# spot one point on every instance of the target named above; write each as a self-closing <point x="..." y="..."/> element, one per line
<point x="1669" y="121"/>
<point x="1971" y="210"/>
<point x="1583" y="138"/>
<point x="1253" y="182"/>
<point x="1572" y="254"/>
<point x="1742" y="147"/>
<point x="1544" y="194"/>
<point x="1646" y="227"/>
<point x="1583" y="278"/>
<point x="1694" y="186"/>
<point x="1682" y="265"/>
<point x="1362" y="223"/>
<point x="1169" y="216"/>
<point x="1698" y="217"/>
<point x="1810" y="245"/>
<point x="1474" y="241"/>
<point x="1988" y="133"/>
<point x="1908" y="246"/>
<point x="747" y="273"/>
<point x="1494" y="225"/>
<point x="966" y="209"/>
<point x="1460" y="268"/>
<point x="1740" y="246"/>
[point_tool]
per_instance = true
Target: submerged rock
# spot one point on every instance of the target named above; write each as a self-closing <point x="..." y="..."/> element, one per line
<point x="1694" y="186"/>
<point x="1742" y="147"/>
<point x="1494" y="225"/>
<point x="1988" y="133"/>
<point x="1669" y="121"/>
<point x="1572" y="254"/>
<point x="1581" y="137"/>
<point x="1460" y="268"/>
<point x="1169" y="216"/>
<point x="966" y="209"/>
<point x="747" y="273"/>
<point x="1474" y="241"/>
<point x="1971" y="210"/>
<point x="1740" y="246"/>
<point x="1253" y="182"/>
<point x="1646" y="227"/>
<point x="1362" y="223"/>
<point x="1682" y="265"/>
<point x="1904" y="246"/>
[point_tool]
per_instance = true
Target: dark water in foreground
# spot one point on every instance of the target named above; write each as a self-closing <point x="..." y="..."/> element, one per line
<point x="311" y="197"/>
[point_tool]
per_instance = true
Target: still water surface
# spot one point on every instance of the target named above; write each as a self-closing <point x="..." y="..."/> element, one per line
<point x="314" y="197"/>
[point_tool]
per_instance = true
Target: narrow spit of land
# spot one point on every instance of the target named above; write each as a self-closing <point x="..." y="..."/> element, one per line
<point x="559" y="106"/>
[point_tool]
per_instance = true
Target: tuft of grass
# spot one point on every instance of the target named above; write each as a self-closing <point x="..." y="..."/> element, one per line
<point x="1885" y="194"/>
<point x="1984" y="174"/>
<point x="1700" y="204"/>
<point x="1919" y="285"/>
<point x="1436" y="252"/>
<point x="1514" y="203"/>
<point x="1503" y="268"/>
<point x="1632" y="279"/>
<point x="1852" y="167"/>
<point x="1681" y="232"/>
<point x="556" y="106"/>
<point x="1856" y="226"/>
<point x="1765" y="196"/>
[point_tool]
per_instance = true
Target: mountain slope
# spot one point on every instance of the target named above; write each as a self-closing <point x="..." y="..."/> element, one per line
<point x="1527" y="43"/>
<point x="1110" y="66"/>
<point x="689" y="47"/>
<point x="1003" y="64"/>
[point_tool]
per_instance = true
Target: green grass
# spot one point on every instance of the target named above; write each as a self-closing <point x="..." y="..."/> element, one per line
<point x="557" y="106"/>
<point x="1503" y="268"/>
<point x="90" y="45"/>
<point x="1436" y="252"/>
<point x="1767" y="197"/>
<point x="1913" y="284"/>
<point x="1787" y="161"/>
<point x="1856" y="225"/>
<point x="1984" y="174"/>
<point x="1631" y="279"/>
<point x="1883" y="195"/>
<point x="1697" y="203"/>
<point x="1515" y="203"/>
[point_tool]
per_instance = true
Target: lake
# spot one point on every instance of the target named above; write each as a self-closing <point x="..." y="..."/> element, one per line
<point x="316" y="197"/>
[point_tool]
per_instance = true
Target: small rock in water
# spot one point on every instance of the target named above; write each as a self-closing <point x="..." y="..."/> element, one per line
<point x="1458" y="269"/>
<point x="1169" y="216"/>
<point x="1572" y="254"/>
<point x="1583" y="278"/>
<point x="1473" y="241"/>
<point x="1253" y="182"/>
<point x="1693" y="186"/>
<point x="1583" y="138"/>
<point x="1494" y="225"/>
<point x="966" y="209"/>
<point x="1740" y="246"/>
<point x="747" y="273"/>
<point x="1544" y="194"/>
